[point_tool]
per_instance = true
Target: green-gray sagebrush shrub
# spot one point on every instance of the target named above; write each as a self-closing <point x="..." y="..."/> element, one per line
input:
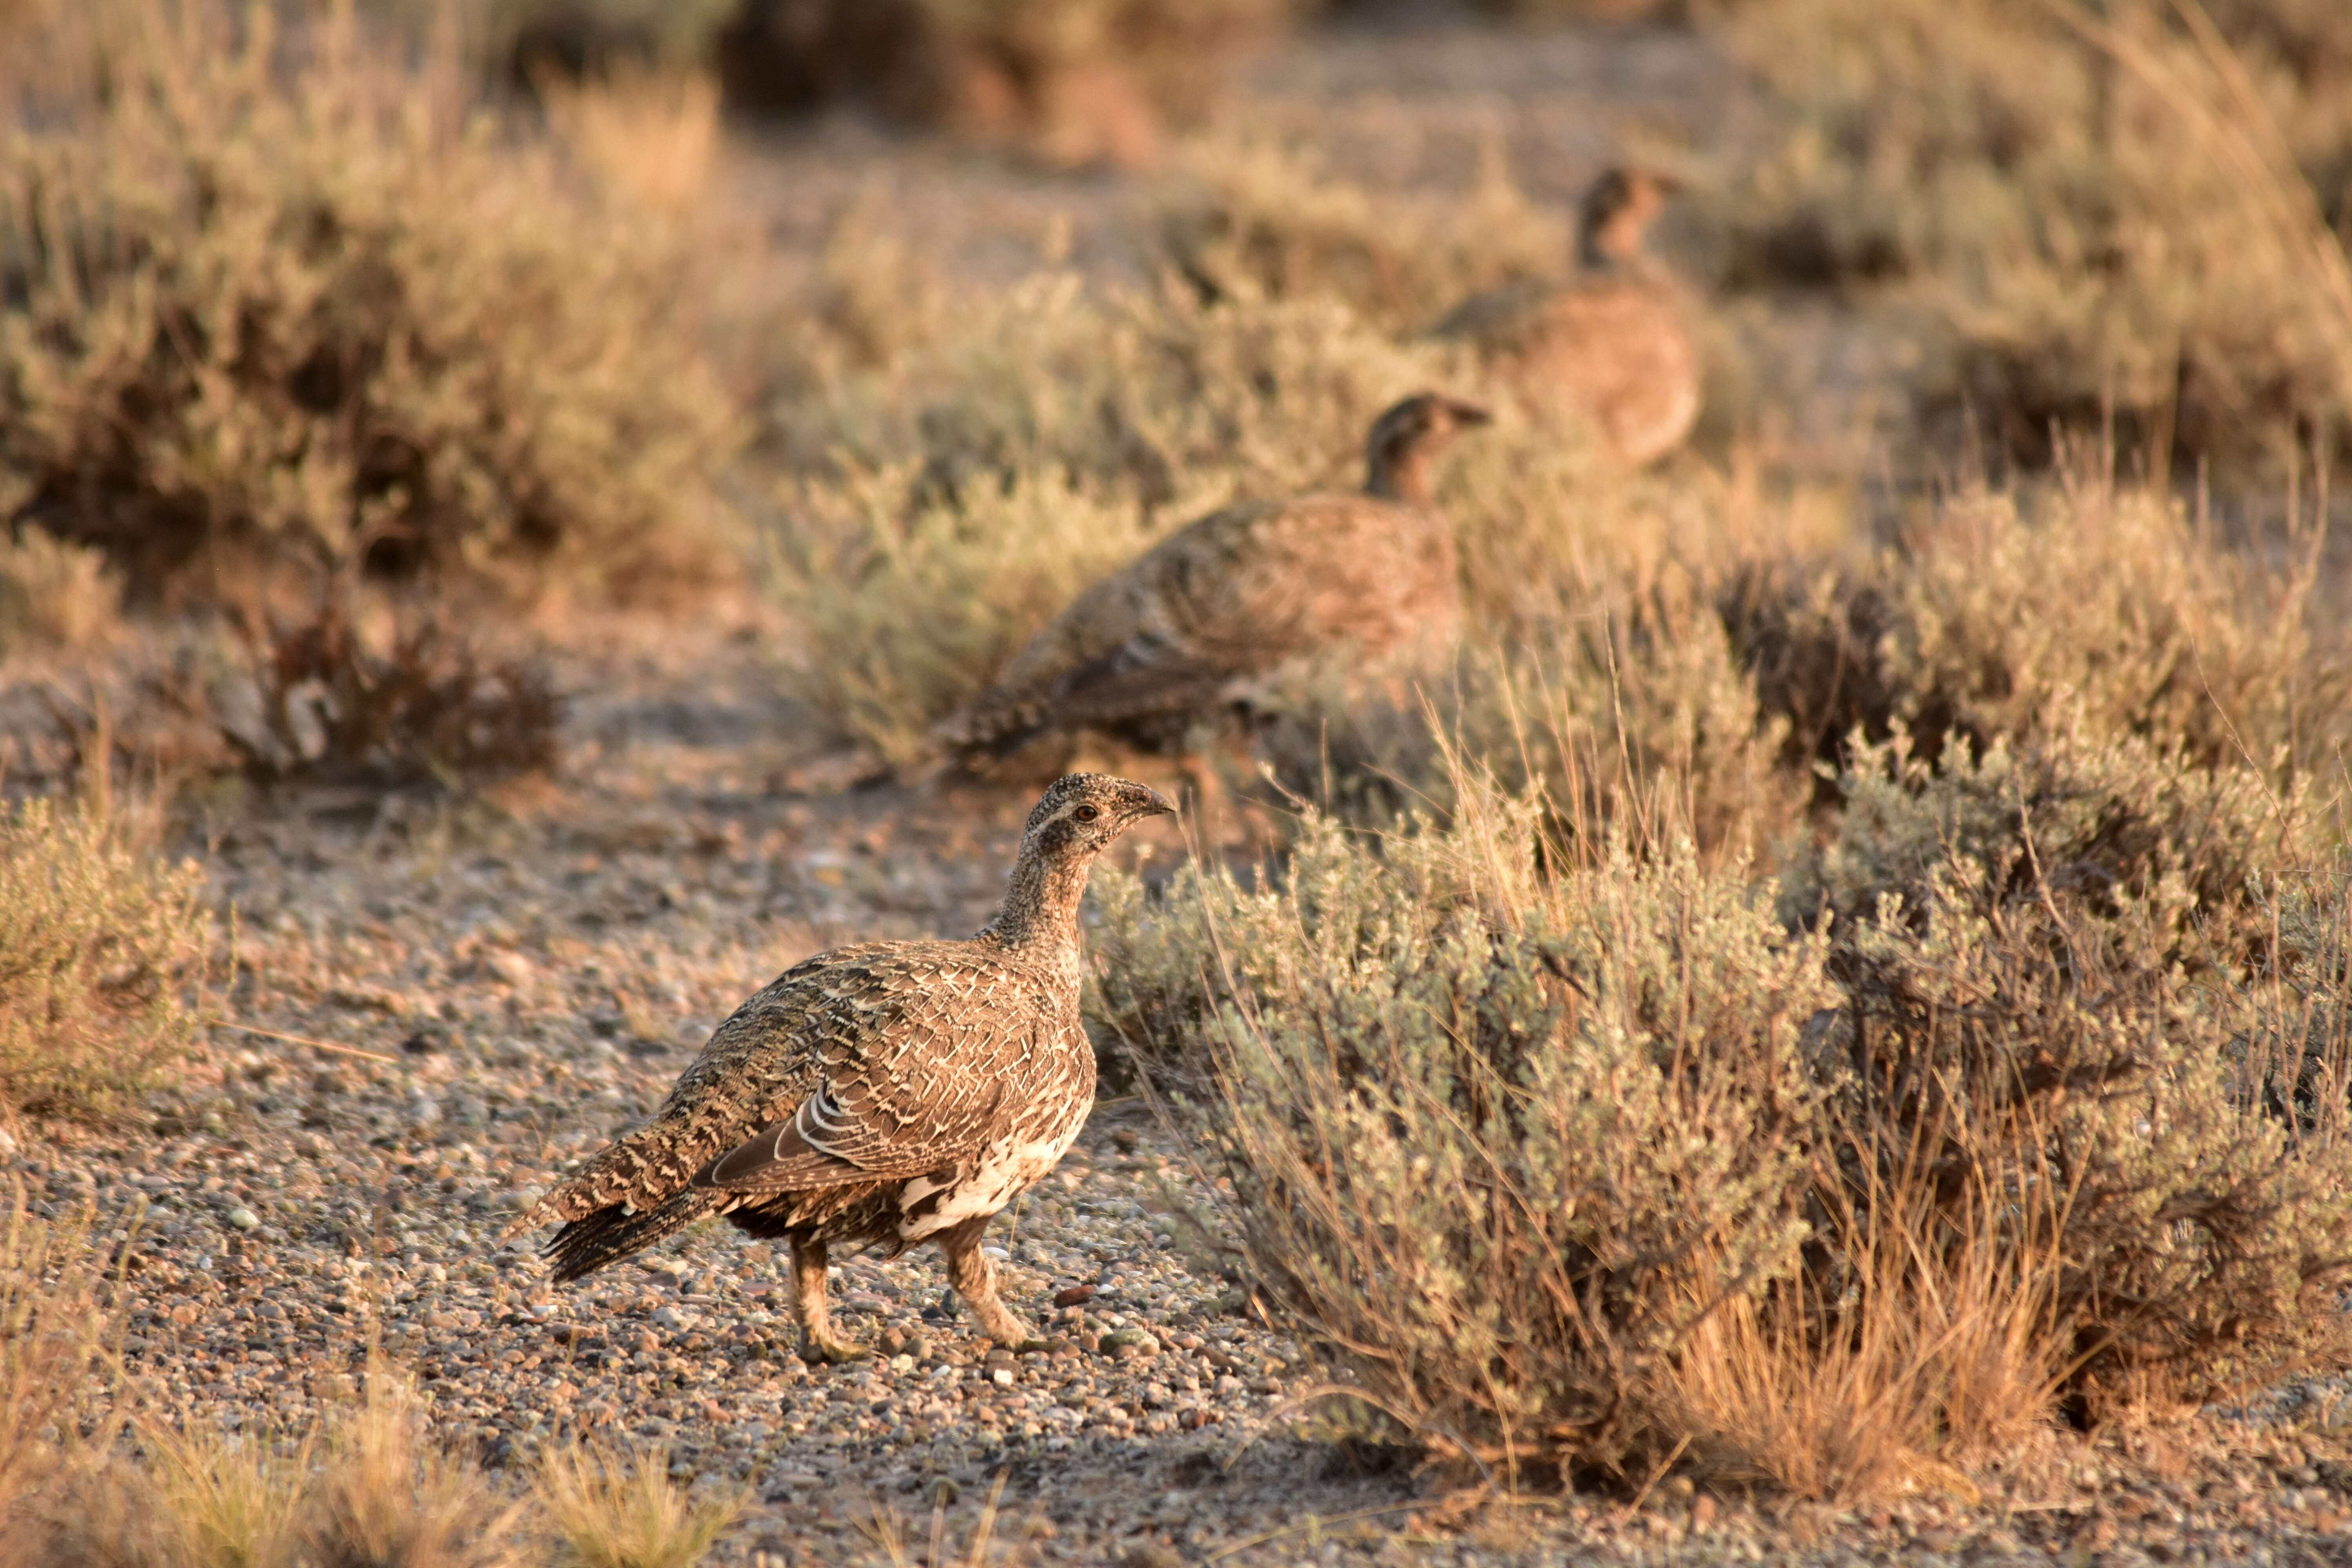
<point x="972" y="486"/>
<point x="1462" y="1083"/>
<point x="2089" y="604"/>
<point x="1634" y="712"/>
<point x="1497" y="1140"/>
<point x="2056" y="959"/>
<point x="1248" y="221"/>
<point x="2131" y="831"/>
<point x="2108" y="217"/>
<point x="319" y="314"/>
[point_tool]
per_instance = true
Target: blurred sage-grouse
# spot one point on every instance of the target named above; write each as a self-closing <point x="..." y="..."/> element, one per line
<point x="1610" y="347"/>
<point x="1191" y="623"/>
<point x="886" y="1094"/>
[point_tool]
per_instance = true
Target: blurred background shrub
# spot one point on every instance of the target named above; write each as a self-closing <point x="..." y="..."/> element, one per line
<point x="325" y="323"/>
<point x="2120" y="215"/>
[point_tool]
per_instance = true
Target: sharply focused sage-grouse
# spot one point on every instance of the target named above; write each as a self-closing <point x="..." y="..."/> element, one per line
<point x="1611" y="346"/>
<point x="890" y="1093"/>
<point x="1187" y="627"/>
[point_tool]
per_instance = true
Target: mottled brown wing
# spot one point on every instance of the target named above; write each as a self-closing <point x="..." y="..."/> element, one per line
<point x="1114" y="637"/>
<point x="806" y="1153"/>
<point x="908" y="1039"/>
<point x="1319" y="571"/>
<point x="1147" y="674"/>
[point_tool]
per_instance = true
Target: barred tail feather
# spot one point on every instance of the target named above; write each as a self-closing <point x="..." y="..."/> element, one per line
<point x="612" y="1234"/>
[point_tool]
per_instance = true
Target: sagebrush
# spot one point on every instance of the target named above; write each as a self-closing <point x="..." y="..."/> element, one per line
<point x="325" y="317"/>
<point x="1584" y="1159"/>
<point x="2123" y="214"/>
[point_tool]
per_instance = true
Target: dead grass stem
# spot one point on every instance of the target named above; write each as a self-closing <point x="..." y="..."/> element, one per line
<point x="104" y="951"/>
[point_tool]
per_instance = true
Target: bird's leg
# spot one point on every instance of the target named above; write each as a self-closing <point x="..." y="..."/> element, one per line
<point x="818" y="1342"/>
<point x="973" y="1274"/>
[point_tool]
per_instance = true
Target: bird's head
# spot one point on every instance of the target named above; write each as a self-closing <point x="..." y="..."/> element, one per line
<point x="1613" y="219"/>
<point x="1080" y="814"/>
<point x="1407" y="436"/>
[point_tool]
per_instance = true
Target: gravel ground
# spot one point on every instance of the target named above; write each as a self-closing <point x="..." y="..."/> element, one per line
<point x="532" y="971"/>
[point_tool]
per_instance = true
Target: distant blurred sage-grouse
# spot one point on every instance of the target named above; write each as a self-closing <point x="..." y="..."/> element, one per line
<point x="1610" y="347"/>
<point x="890" y="1093"/>
<point x="1190" y="624"/>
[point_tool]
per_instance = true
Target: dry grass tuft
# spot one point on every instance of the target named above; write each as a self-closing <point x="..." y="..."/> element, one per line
<point x="101" y="946"/>
<point x="886" y="1529"/>
<point x="203" y="1498"/>
<point x="367" y="1488"/>
<point x="611" y="1511"/>
<point x="371" y="1488"/>
<point x="59" y="1317"/>
<point x="387" y="1492"/>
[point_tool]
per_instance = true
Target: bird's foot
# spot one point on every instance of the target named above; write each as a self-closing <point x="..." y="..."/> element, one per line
<point x="1015" y="1335"/>
<point x="830" y="1349"/>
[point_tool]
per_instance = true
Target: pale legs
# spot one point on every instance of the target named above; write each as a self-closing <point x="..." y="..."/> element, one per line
<point x="974" y="1274"/>
<point x="818" y="1342"/>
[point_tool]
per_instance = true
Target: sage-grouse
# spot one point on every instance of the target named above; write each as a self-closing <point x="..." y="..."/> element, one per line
<point x="1610" y="347"/>
<point x="890" y="1093"/>
<point x="1223" y="602"/>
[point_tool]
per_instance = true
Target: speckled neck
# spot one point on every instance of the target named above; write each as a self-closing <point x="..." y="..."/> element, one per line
<point x="1040" y="911"/>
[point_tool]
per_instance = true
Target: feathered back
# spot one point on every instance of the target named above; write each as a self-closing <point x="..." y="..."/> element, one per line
<point x="1235" y="596"/>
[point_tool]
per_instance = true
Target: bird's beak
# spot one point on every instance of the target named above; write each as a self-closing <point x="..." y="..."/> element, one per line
<point x="1152" y="803"/>
<point x="1467" y="413"/>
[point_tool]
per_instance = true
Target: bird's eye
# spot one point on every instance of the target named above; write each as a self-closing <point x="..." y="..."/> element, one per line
<point x="1087" y="813"/>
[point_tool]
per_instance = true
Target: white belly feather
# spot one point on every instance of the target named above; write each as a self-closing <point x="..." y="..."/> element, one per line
<point x="1002" y="1172"/>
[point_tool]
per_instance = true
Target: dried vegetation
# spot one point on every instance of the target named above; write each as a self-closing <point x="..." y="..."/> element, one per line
<point x="1579" y="1146"/>
<point x="2118" y="211"/>
<point x="288" y="322"/>
<point x="332" y="320"/>
<point x="2016" y="1093"/>
<point x="96" y="1470"/>
<point x="104" y="948"/>
<point x="1069" y="81"/>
